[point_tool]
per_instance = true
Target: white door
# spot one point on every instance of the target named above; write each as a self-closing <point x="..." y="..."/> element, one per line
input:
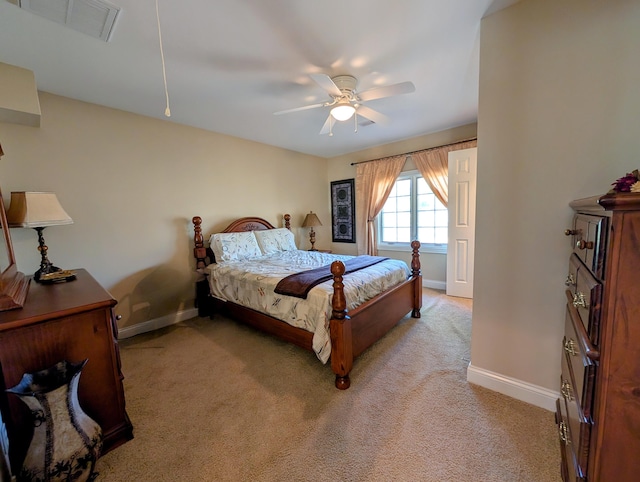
<point x="462" y="219"/>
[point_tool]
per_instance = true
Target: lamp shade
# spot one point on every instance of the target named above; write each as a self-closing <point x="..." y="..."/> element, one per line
<point x="35" y="210"/>
<point x="311" y="220"/>
<point x="343" y="111"/>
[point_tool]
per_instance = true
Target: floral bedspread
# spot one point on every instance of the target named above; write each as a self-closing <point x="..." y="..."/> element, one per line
<point x="251" y="283"/>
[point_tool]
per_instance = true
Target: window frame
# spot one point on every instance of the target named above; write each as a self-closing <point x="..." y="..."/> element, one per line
<point x="437" y="248"/>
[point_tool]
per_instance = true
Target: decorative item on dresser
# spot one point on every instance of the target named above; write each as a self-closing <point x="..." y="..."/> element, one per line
<point x="14" y="285"/>
<point x="598" y="415"/>
<point x="64" y="321"/>
<point x="38" y="210"/>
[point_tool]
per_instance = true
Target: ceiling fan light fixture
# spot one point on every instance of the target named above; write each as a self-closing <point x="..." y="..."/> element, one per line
<point x="343" y="111"/>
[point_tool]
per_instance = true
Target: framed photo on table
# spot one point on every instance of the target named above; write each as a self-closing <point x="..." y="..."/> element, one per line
<point x="13" y="284"/>
<point x="343" y="211"/>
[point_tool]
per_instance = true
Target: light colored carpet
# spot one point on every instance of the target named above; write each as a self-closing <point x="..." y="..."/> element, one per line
<point x="218" y="401"/>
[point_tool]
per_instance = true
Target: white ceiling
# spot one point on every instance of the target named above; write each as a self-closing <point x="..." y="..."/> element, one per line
<point x="231" y="63"/>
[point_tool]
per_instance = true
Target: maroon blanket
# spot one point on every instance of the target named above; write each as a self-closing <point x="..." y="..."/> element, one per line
<point x="300" y="284"/>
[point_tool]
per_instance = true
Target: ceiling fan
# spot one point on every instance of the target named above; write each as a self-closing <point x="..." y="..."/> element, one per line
<point x="347" y="101"/>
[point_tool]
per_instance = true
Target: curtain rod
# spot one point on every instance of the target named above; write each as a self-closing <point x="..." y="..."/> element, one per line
<point x="420" y="150"/>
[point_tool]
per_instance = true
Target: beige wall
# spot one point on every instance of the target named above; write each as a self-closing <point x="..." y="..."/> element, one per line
<point x="434" y="266"/>
<point x="132" y="185"/>
<point x="558" y="120"/>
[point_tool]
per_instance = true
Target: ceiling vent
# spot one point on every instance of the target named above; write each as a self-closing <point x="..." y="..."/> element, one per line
<point x="92" y="17"/>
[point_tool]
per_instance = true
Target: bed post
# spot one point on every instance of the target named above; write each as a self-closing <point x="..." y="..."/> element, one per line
<point x="417" y="278"/>
<point x="202" y="285"/>
<point x="199" y="252"/>
<point x="340" y="328"/>
<point x="287" y="221"/>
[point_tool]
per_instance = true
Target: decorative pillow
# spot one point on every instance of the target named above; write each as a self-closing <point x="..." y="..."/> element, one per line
<point x="275" y="240"/>
<point x="234" y="246"/>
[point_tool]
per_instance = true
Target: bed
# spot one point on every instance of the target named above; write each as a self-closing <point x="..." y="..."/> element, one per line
<point x="346" y="325"/>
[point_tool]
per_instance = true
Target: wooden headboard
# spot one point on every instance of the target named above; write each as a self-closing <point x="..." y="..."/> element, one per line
<point x="239" y="225"/>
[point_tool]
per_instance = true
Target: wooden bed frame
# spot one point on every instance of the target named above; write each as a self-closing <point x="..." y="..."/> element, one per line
<point x="351" y="332"/>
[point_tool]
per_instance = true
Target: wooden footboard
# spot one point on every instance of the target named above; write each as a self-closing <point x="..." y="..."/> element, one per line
<point x="351" y="332"/>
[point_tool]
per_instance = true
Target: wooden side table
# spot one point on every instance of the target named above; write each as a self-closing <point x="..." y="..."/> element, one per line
<point x="65" y="321"/>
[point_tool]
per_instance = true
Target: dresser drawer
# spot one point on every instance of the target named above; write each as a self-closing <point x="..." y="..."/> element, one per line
<point x="572" y="276"/>
<point x="588" y="239"/>
<point x="562" y="430"/>
<point x="583" y="401"/>
<point x="577" y="416"/>
<point x="578" y="354"/>
<point x="571" y="469"/>
<point x="587" y="299"/>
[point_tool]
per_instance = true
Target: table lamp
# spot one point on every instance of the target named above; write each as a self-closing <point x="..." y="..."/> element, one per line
<point x="38" y="210"/>
<point x="310" y="221"/>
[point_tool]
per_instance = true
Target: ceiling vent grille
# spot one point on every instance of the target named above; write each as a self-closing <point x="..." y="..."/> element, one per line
<point x="92" y="17"/>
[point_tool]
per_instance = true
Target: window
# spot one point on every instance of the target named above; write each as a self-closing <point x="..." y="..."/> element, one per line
<point x="411" y="212"/>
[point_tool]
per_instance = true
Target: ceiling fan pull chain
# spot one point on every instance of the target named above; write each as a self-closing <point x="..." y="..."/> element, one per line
<point x="167" y="111"/>
<point x="355" y="121"/>
<point x="330" y="126"/>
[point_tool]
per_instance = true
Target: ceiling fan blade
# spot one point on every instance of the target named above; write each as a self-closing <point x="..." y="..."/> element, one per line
<point x="324" y="81"/>
<point x="287" y="111"/>
<point x="387" y="91"/>
<point x="326" y="128"/>
<point x="372" y="115"/>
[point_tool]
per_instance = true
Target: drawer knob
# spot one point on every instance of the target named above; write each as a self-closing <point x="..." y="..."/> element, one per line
<point x="570" y="232"/>
<point x="582" y="244"/>
<point x="564" y="433"/>
<point x="579" y="300"/>
<point x="570" y="281"/>
<point x="566" y="390"/>
<point x="570" y="347"/>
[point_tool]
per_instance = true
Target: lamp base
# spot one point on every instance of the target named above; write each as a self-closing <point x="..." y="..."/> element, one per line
<point x="48" y="272"/>
<point x="312" y="239"/>
<point x="57" y="277"/>
<point x="45" y="271"/>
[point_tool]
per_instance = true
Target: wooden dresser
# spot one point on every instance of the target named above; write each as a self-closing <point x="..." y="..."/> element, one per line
<point x="598" y="414"/>
<point x="66" y="321"/>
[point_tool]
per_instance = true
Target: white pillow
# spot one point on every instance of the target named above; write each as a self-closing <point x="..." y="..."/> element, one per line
<point x="234" y="246"/>
<point x="275" y="240"/>
<point x="215" y="246"/>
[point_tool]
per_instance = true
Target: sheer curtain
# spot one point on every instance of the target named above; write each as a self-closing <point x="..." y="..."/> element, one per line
<point x="433" y="164"/>
<point x="374" y="181"/>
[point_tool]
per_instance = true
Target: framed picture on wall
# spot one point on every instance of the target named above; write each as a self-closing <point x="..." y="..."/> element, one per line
<point x="343" y="211"/>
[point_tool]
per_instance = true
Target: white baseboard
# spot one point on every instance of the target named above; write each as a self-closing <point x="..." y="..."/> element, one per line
<point x="526" y="392"/>
<point x="150" y="325"/>
<point x="433" y="284"/>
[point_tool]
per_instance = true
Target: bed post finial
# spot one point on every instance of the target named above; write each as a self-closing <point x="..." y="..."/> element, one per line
<point x="199" y="252"/>
<point x="415" y="257"/>
<point x="287" y="221"/>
